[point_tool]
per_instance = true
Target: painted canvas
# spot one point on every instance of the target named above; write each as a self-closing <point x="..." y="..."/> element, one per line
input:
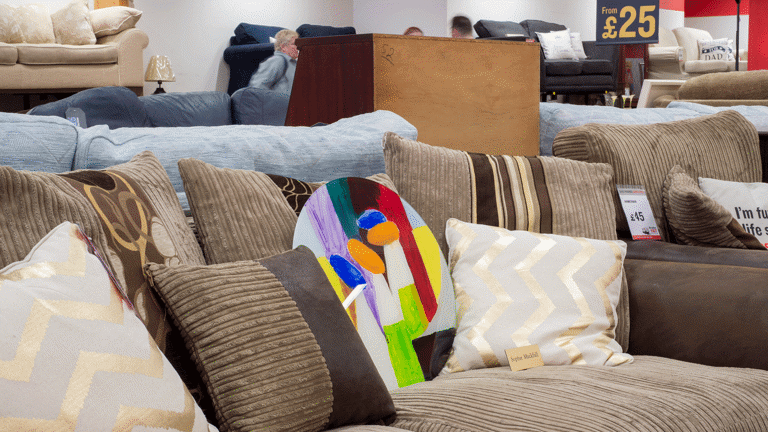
<point x="386" y="267"/>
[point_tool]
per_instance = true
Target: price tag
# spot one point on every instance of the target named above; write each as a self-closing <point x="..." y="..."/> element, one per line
<point x="638" y="211"/>
<point x="627" y="22"/>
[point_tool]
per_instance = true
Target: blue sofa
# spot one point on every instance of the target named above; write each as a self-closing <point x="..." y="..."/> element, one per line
<point x="250" y="46"/>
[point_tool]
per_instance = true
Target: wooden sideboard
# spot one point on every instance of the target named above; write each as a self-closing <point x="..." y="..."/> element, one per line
<point x="468" y="94"/>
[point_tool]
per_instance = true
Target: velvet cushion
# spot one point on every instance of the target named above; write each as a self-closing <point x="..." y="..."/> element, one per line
<point x="312" y="30"/>
<point x="254" y="34"/>
<point x="258" y="357"/>
<point x="243" y="214"/>
<point x="489" y="28"/>
<point x="74" y="351"/>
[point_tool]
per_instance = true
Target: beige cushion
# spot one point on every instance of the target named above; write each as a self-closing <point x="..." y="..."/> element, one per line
<point x="261" y="363"/>
<point x="72" y="24"/>
<point x="8" y="54"/>
<point x="515" y="289"/>
<point x="666" y="38"/>
<point x="245" y="215"/>
<point x="723" y="145"/>
<point x="696" y="219"/>
<point x="10" y="29"/>
<point x="77" y="350"/>
<point x="113" y="20"/>
<point x="689" y="38"/>
<point x="51" y="54"/>
<point x="35" y="22"/>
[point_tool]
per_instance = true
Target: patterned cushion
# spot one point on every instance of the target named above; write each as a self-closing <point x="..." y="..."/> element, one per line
<point x="10" y="30"/>
<point x="261" y="363"/>
<point x="72" y="24"/>
<point x="72" y="352"/>
<point x="131" y="212"/>
<point x="516" y="288"/>
<point x="746" y="202"/>
<point x="696" y="219"/>
<point x="723" y="145"/>
<point x="35" y="22"/>
<point x="113" y="20"/>
<point x="245" y="215"/>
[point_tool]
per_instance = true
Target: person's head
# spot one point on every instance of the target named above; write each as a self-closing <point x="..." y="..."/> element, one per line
<point x="285" y="41"/>
<point x="461" y="27"/>
<point x="413" y="31"/>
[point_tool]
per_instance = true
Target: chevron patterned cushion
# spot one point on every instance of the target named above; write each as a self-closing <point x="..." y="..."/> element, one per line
<point x="73" y="352"/>
<point x="517" y="288"/>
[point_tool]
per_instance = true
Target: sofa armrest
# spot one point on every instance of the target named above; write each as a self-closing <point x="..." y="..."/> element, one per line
<point x="130" y="55"/>
<point x="666" y="62"/>
<point x="670" y="252"/>
<point x="709" y="314"/>
<point x="243" y="60"/>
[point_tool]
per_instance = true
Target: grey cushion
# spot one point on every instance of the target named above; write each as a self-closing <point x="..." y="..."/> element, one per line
<point x="534" y="26"/>
<point x="207" y="108"/>
<point x="254" y="106"/>
<point x="563" y="67"/>
<point x="596" y="67"/>
<point x="488" y="28"/>
<point x="115" y="107"/>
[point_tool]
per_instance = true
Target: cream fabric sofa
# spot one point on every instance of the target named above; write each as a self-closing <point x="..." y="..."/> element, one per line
<point x="676" y="55"/>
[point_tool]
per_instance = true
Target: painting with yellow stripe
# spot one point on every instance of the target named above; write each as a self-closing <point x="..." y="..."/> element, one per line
<point x="386" y="267"/>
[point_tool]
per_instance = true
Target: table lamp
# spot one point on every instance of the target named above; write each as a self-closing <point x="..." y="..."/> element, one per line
<point x="159" y="69"/>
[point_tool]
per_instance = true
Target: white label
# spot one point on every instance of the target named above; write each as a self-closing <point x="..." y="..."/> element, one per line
<point x="634" y="201"/>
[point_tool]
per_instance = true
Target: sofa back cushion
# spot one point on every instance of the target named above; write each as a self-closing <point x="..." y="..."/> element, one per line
<point x="312" y="30"/>
<point x="488" y="28"/>
<point x="35" y="143"/>
<point x="253" y="34"/>
<point x="115" y="107"/>
<point x="723" y="146"/>
<point x="36" y="24"/>
<point x="536" y="26"/>
<point x="206" y="108"/>
<point x="10" y="28"/>
<point x="258" y="106"/>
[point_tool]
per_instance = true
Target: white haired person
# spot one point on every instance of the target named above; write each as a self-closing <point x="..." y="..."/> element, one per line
<point x="276" y="72"/>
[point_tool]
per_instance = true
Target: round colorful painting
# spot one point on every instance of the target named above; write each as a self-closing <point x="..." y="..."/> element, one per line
<point x="386" y="267"/>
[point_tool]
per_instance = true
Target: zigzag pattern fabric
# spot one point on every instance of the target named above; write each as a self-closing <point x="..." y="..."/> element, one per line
<point x="518" y="288"/>
<point x="73" y="354"/>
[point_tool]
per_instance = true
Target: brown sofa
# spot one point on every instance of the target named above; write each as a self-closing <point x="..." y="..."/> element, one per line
<point x="115" y="60"/>
<point x="722" y="89"/>
<point x="696" y="323"/>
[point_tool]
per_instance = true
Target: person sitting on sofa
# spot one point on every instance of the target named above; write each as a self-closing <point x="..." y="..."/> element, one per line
<point x="276" y="72"/>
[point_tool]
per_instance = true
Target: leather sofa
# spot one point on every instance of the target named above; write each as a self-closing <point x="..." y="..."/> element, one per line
<point x="250" y="46"/>
<point x="696" y="328"/>
<point x="597" y="74"/>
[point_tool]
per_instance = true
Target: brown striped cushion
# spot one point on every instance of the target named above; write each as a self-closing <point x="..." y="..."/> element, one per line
<point x="696" y="219"/>
<point x="723" y="146"/>
<point x="245" y="215"/>
<point x="540" y="194"/>
<point x="256" y="353"/>
<point x="650" y="394"/>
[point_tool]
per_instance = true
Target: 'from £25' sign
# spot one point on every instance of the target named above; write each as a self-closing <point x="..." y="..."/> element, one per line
<point x="627" y="22"/>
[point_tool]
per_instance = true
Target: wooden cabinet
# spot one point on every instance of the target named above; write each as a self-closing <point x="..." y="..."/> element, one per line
<point x="468" y="94"/>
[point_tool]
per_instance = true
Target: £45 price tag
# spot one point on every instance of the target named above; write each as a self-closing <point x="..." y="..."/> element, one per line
<point x="634" y="201"/>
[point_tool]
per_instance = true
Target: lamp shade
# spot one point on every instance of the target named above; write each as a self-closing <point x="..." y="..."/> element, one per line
<point x="159" y="69"/>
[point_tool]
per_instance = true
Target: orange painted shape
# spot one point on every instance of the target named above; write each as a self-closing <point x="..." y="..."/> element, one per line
<point x="364" y="256"/>
<point x="383" y="233"/>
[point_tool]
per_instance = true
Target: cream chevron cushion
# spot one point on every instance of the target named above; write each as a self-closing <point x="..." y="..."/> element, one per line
<point x="73" y="352"/>
<point x="518" y="288"/>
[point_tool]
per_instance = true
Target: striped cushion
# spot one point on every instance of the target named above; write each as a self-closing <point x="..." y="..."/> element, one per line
<point x="696" y="219"/>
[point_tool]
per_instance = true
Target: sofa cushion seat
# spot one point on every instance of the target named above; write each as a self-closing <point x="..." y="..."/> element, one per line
<point x="563" y="67"/>
<point x="8" y="54"/>
<point x="652" y="393"/>
<point x="596" y="67"/>
<point x="51" y="54"/>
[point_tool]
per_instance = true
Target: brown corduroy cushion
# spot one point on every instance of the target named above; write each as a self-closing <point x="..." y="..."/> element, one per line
<point x="723" y="146"/>
<point x="726" y="85"/>
<point x="698" y="220"/>
<point x="245" y="215"/>
<point x="650" y="394"/>
<point x="256" y="353"/>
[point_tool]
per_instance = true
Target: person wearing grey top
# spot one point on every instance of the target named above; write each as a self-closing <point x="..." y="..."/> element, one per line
<point x="276" y="73"/>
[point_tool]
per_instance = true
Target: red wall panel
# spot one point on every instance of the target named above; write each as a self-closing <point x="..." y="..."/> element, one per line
<point x="707" y="8"/>
<point x="757" y="57"/>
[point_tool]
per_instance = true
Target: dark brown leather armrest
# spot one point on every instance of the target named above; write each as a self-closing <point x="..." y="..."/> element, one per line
<point x="662" y="251"/>
<point x="703" y="313"/>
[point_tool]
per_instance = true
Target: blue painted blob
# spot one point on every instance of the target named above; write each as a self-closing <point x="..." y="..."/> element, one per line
<point x="370" y="218"/>
<point x="346" y="271"/>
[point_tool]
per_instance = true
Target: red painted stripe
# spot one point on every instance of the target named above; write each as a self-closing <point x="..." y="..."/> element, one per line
<point x="758" y="34"/>
<point x="711" y="8"/>
<point x="675" y="5"/>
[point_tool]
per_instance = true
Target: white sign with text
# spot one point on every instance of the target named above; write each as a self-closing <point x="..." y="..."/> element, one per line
<point x="638" y="211"/>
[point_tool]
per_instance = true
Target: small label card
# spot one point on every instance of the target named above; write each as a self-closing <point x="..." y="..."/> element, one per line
<point x="634" y="201"/>
<point x="524" y="358"/>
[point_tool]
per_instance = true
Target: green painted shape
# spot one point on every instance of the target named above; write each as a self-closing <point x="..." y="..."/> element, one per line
<point x="341" y="198"/>
<point x="413" y="314"/>
<point x="404" y="360"/>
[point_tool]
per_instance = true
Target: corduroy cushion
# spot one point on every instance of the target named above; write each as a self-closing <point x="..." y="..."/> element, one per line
<point x="652" y="393"/>
<point x="245" y="215"/>
<point x="539" y="194"/>
<point x="257" y="354"/>
<point x="698" y="220"/>
<point x="723" y="145"/>
<point x="726" y="85"/>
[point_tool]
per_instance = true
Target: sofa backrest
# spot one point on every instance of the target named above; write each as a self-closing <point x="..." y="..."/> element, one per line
<point x="314" y="30"/>
<point x="536" y="26"/>
<point x="115" y="107"/>
<point x="258" y="106"/>
<point x="35" y="143"/>
<point x="253" y="34"/>
<point x="688" y="38"/>
<point x="489" y="28"/>
<point x="207" y="108"/>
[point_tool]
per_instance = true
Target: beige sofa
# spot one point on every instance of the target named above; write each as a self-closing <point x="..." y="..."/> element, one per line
<point x="676" y="55"/>
<point x="115" y="60"/>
